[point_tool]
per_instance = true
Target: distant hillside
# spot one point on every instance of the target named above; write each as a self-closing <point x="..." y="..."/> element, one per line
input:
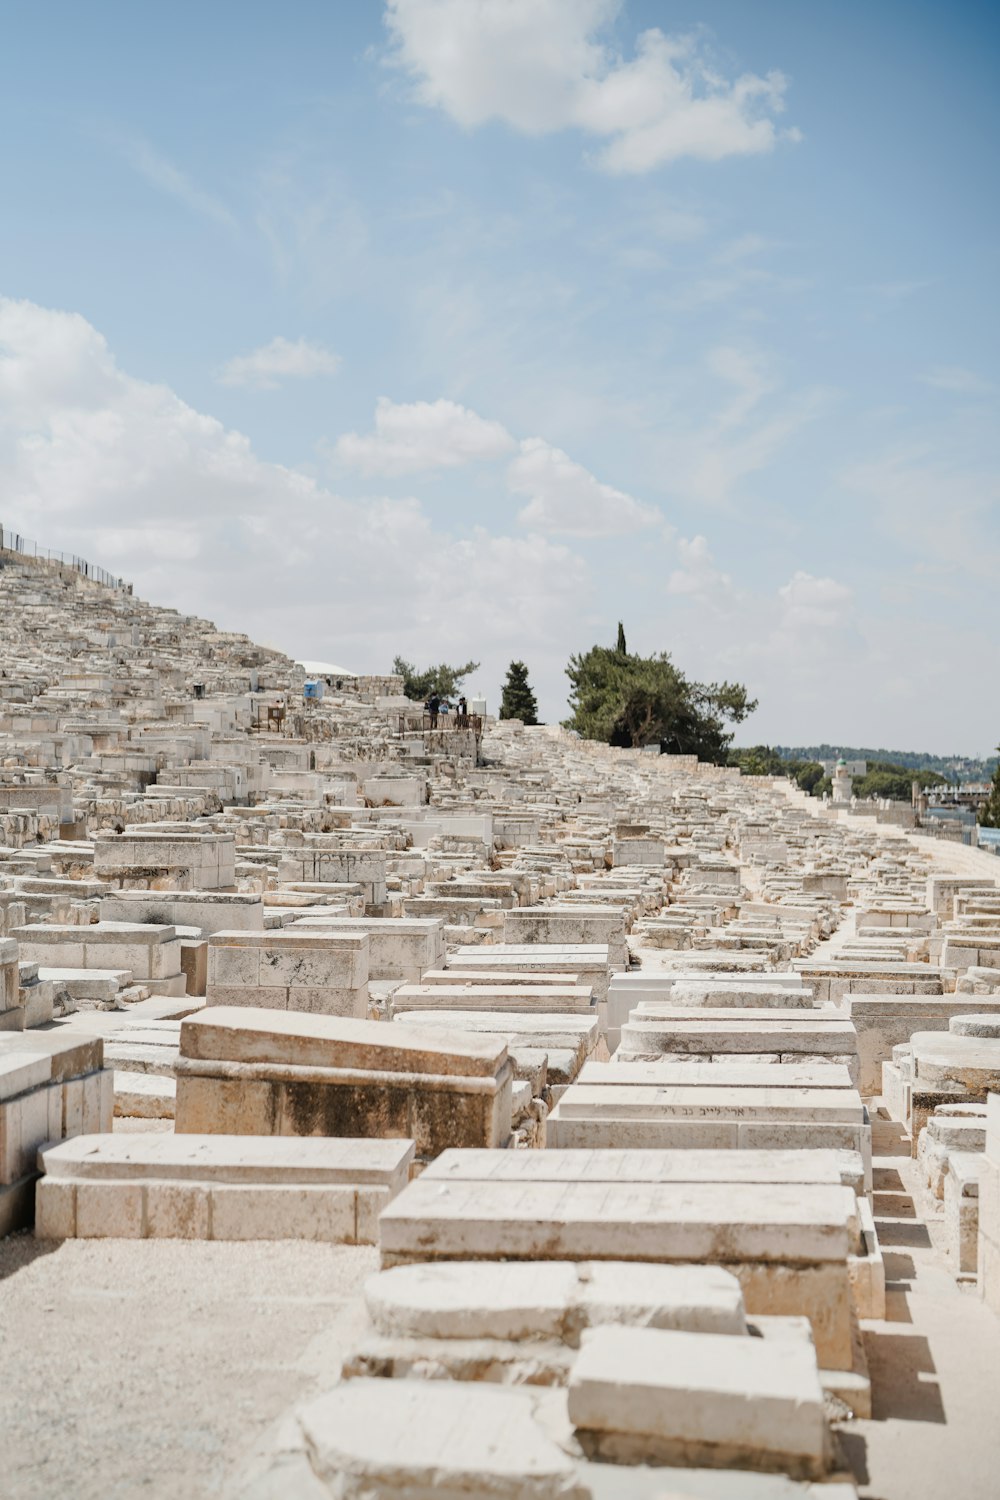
<point x="954" y="767"/>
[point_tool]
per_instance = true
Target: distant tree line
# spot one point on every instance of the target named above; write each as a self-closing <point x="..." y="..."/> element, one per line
<point x="883" y="779"/>
<point x="907" y="760"/>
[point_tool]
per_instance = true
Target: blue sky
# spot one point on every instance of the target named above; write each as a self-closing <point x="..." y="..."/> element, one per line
<point x="468" y="327"/>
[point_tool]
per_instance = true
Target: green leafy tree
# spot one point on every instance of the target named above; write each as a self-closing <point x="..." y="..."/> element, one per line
<point x="443" y="680"/>
<point x="763" y="760"/>
<point x="759" y="760"/>
<point x="621" y="647"/>
<point x="989" y="813"/>
<point x="892" y="781"/>
<point x="517" y="699"/>
<point x="640" y="700"/>
<point x="810" y="776"/>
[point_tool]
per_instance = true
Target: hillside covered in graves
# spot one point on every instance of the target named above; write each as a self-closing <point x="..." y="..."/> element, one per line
<point x="390" y="1109"/>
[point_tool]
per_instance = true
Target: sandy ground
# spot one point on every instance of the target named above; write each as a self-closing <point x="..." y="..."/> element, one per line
<point x="934" y="1362"/>
<point x="153" y="1368"/>
<point x="161" y="1368"/>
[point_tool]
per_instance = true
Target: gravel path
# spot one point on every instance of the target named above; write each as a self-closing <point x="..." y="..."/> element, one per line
<point x="154" y="1368"/>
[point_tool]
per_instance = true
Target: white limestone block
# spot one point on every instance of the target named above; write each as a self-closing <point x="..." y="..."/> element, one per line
<point x="550" y="1299"/>
<point x="697" y="1398"/>
<point x="379" y="1440"/>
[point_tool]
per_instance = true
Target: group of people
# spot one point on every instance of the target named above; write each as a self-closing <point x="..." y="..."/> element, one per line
<point x="439" y="707"/>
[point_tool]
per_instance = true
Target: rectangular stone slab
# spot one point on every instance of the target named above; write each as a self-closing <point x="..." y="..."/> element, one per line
<point x="727" y="993"/>
<point x="222" y="1158"/>
<point x="885" y="1021"/>
<point x="321" y="1076"/>
<point x="559" y="1030"/>
<point x="31" y="1058"/>
<point x="539" y="954"/>
<point x="467" y="976"/>
<point x="758" y="1018"/>
<point x="711" y="1102"/>
<point x="721" y="1223"/>
<point x="752" y="1035"/>
<point x="381" y="1439"/>
<point x="164" y="1208"/>
<point x="232" y="1034"/>
<point x="52" y="1085"/>
<point x="698" y="1398"/>
<point x="825" y="1167"/>
<point x="574" y="999"/>
<point x="552" y="1299"/>
<point x="731" y="1072"/>
<point x="664" y="981"/>
<point x="148" y="1096"/>
<point x="605" y="1130"/>
<point x="626" y="991"/>
<point x="802" y="1234"/>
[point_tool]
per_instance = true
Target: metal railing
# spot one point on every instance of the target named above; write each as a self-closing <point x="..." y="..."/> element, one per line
<point x="453" y="721"/>
<point x="13" y="541"/>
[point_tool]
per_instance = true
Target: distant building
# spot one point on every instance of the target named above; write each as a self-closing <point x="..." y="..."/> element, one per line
<point x="843" y="787"/>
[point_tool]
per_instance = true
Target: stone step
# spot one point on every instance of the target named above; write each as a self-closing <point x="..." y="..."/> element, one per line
<point x="371" y="1439"/>
<point x="644" y="1395"/>
<point x="166" y="1186"/>
<point x="144" y="1096"/>
<point x="88" y="984"/>
<point x="549" y="1299"/>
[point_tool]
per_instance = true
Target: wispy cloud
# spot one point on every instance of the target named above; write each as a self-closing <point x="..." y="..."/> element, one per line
<point x="161" y="173"/>
<point x="743" y="247"/>
<point x="282" y="359"/>
<point x="960" y="381"/>
<point x="899" y="291"/>
<point x="933" y="502"/>
<point x="709" y="459"/>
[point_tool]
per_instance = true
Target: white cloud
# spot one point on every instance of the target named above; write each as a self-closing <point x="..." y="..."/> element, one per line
<point x="541" y="66"/>
<point x="415" y="436"/>
<point x="809" y="602"/>
<point x="282" y="359"/>
<point x="162" y="174"/>
<point x="123" y="472"/>
<point x="565" y="497"/>
<point x="962" y="382"/>
<point x="698" y="576"/>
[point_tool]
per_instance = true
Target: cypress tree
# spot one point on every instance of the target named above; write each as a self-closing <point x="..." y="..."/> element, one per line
<point x="517" y="700"/>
